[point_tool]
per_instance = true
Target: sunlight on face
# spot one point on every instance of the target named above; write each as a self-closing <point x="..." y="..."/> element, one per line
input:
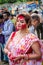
<point x="21" y="24"/>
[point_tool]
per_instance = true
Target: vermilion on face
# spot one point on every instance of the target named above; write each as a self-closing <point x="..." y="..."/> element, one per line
<point x="21" y="24"/>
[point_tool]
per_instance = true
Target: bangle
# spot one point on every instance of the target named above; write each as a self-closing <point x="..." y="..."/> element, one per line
<point x="9" y="54"/>
<point x="27" y="56"/>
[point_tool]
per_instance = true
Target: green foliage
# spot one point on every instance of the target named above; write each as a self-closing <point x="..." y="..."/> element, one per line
<point x="7" y="1"/>
<point x="39" y="2"/>
<point x="10" y="1"/>
<point x="2" y="1"/>
<point x="29" y="0"/>
<point x="13" y="1"/>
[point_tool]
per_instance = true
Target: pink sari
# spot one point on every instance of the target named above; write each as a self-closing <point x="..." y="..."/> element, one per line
<point x="40" y="61"/>
<point x="22" y="47"/>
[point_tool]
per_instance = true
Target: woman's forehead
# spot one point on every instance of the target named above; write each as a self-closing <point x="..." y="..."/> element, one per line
<point x="21" y="19"/>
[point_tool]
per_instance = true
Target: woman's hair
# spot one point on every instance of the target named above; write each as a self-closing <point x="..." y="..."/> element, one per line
<point x="1" y="16"/>
<point x="27" y="17"/>
<point x="35" y="17"/>
<point x="35" y="12"/>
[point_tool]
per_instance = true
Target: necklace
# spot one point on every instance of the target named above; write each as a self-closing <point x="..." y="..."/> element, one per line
<point x="19" y="36"/>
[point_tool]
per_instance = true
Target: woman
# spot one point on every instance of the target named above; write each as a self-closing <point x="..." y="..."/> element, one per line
<point x="22" y="47"/>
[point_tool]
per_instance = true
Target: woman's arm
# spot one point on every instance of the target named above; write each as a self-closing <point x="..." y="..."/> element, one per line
<point x="37" y="51"/>
<point x="35" y="55"/>
<point x="6" y="50"/>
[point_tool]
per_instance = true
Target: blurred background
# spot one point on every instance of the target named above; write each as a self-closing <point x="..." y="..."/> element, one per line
<point x="15" y="7"/>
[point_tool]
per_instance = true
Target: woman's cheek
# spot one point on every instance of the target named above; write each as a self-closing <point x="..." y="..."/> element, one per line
<point x="23" y="26"/>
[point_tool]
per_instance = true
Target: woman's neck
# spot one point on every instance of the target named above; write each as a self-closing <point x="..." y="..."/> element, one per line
<point x="24" y="31"/>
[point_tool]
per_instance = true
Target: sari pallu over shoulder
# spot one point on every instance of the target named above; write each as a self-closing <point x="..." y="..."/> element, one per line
<point x="23" y="45"/>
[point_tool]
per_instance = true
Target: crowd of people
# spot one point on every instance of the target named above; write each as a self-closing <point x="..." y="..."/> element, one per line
<point x="21" y="38"/>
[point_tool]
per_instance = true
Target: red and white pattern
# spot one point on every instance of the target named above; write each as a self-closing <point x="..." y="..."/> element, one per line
<point x="22" y="47"/>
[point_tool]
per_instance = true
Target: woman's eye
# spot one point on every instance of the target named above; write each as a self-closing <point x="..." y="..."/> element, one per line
<point x="22" y="21"/>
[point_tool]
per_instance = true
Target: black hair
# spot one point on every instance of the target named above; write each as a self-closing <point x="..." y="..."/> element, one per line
<point x="1" y="16"/>
<point x="30" y="11"/>
<point x="35" y="12"/>
<point x="7" y="13"/>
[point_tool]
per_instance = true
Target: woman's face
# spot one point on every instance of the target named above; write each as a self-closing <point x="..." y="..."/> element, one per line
<point x="21" y="23"/>
<point x="35" y="23"/>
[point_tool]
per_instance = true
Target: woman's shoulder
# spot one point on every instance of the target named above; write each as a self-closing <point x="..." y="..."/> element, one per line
<point x="12" y="34"/>
<point x="32" y="36"/>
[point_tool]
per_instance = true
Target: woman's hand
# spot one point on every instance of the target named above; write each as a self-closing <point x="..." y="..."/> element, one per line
<point x="25" y="56"/>
<point x="10" y="56"/>
<point x="20" y="57"/>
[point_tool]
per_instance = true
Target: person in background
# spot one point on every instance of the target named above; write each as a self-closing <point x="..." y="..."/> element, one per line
<point x="8" y="29"/>
<point x="30" y="12"/>
<point x="13" y="18"/>
<point x="21" y="44"/>
<point x="34" y="23"/>
<point x="16" y="11"/>
<point x="8" y="25"/>
<point x="34" y="29"/>
<point x="2" y="39"/>
<point x="40" y="28"/>
<point x="36" y="12"/>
